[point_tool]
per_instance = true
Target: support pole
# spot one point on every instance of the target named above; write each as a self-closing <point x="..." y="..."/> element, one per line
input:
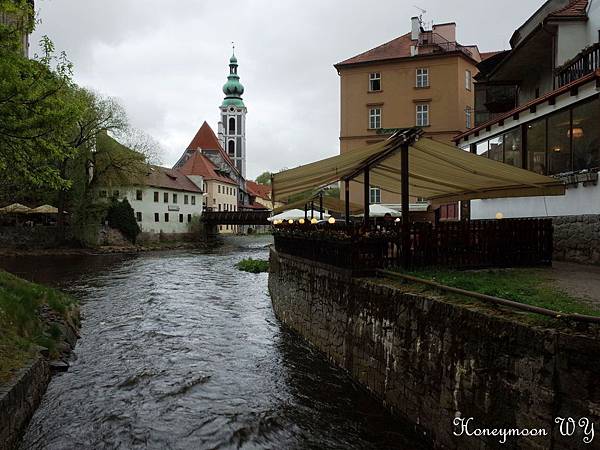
<point x="366" y="193"/>
<point x="405" y="205"/>
<point x="347" y="199"/>
<point x="321" y="205"/>
<point x="312" y="209"/>
<point x="305" y="211"/>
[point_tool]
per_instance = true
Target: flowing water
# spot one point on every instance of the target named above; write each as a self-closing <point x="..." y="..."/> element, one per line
<point x="180" y="350"/>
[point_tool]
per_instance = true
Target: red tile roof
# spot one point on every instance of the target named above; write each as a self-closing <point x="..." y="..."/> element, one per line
<point x="198" y="164"/>
<point x="254" y="205"/>
<point x="162" y="177"/>
<point x="575" y="9"/>
<point x="396" y="48"/>
<point x="258" y="190"/>
<point x="206" y="139"/>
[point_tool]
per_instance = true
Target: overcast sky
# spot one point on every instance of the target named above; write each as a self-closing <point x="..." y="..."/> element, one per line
<point x="167" y="60"/>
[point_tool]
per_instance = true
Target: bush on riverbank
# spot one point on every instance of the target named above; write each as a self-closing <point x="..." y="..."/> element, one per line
<point x="253" y="265"/>
<point x="21" y="326"/>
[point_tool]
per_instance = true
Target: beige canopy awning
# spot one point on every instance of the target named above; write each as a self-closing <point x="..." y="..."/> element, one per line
<point x="44" y="209"/>
<point x="438" y="172"/>
<point x="15" y="208"/>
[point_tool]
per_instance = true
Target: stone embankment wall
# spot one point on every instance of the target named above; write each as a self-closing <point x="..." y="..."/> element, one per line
<point x="577" y="239"/>
<point x="430" y="361"/>
<point x="22" y="237"/>
<point x="19" y="400"/>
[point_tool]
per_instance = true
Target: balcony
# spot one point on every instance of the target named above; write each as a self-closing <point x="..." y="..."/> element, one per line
<point x="586" y="62"/>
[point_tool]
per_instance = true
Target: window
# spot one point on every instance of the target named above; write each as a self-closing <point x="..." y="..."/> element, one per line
<point x="231" y="148"/>
<point x="180" y="218"/>
<point x="375" y="118"/>
<point x="116" y="194"/>
<point x="103" y="194"/>
<point x="138" y="216"/>
<point x="468" y="80"/>
<point x="559" y="143"/>
<point x="374" y="195"/>
<point x="175" y="198"/>
<point x="496" y="149"/>
<point x="166" y="217"/>
<point x="422" y="78"/>
<point x="166" y="197"/>
<point x="219" y="207"/>
<point x="193" y="199"/>
<point x="422" y="115"/>
<point x="232" y="125"/>
<point x="586" y="136"/>
<point x="219" y="188"/>
<point x="536" y="146"/>
<point x="138" y="194"/>
<point x="189" y="218"/>
<point x="155" y="197"/>
<point x="185" y="199"/>
<point x="512" y="148"/>
<point x="156" y="217"/>
<point x="374" y="82"/>
<point x="468" y="117"/>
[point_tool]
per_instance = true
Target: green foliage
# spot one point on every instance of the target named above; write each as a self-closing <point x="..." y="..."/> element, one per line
<point x="264" y="178"/>
<point x="122" y="217"/>
<point x="526" y="286"/>
<point x="20" y="324"/>
<point x="253" y="265"/>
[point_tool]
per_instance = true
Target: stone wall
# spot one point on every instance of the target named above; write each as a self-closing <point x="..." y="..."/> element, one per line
<point x="577" y="239"/>
<point x="19" y="400"/>
<point x="430" y="361"/>
<point x="22" y="237"/>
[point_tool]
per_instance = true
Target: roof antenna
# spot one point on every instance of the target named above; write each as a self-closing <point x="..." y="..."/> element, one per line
<point x="422" y="13"/>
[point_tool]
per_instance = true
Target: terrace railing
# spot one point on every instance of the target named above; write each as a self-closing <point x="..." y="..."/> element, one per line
<point x="465" y="245"/>
<point x="587" y="61"/>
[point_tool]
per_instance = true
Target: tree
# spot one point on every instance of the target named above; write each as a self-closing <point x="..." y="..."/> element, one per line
<point x="34" y="113"/>
<point x="141" y="142"/>
<point x="122" y="217"/>
<point x="264" y="178"/>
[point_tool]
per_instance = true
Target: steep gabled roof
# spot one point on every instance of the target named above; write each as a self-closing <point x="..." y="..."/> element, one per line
<point x="205" y="138"/>
<point x="198" y="164"/>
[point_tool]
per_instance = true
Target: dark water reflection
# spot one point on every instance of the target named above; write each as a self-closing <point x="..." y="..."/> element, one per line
<point x="181" y="351"/>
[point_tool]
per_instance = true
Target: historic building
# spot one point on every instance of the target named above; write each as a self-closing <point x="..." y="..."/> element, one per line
<point x="538" y="109"/>
<point x="422" y="78"/>
<point x="165" y="202"/>
<point x="232" y="127"/>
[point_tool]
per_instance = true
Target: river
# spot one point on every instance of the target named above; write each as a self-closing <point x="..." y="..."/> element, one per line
<point x="180" y="350"/>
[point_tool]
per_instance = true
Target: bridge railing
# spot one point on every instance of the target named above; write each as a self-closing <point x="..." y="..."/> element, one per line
<point x="236" y="217"/>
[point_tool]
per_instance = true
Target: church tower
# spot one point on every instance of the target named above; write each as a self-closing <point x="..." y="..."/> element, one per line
<point x="232" y="128"/>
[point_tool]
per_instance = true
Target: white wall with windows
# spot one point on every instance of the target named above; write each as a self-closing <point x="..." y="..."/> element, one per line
<point x="158" y="209"/>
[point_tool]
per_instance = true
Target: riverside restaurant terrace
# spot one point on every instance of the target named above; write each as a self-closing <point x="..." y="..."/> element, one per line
<point x="411" y="166"/>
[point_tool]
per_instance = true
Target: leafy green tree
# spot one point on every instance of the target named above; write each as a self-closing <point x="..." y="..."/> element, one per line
<point x="122" y="217"/>
<point x="264" y="178"/>
<point x="34" y="113"/>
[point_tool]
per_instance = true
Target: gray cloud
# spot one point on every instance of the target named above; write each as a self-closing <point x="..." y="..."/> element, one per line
<point x="167" y="60"/>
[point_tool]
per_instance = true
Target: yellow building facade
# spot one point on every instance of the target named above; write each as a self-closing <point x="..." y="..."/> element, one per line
<point x="423" y="78"/>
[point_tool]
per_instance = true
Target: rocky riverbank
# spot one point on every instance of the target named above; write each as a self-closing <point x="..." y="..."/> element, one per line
<point x="39" y="329"/>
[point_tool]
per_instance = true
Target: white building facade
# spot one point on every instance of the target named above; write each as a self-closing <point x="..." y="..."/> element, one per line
<point x="541" y="107"/>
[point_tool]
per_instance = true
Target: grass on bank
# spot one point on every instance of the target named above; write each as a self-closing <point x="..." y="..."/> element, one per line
<point x="21" y="328"/>
<point x="528" y="286"/>
<point x="253" y="265"/>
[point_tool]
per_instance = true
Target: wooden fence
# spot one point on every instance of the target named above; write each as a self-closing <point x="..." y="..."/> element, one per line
<point x="461" y="245"/>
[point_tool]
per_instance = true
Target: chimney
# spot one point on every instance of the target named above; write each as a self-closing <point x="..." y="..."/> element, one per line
<point x="416" y="28"/>
<point x="446" y="30"/>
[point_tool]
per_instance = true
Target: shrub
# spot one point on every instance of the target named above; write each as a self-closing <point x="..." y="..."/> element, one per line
<point x="253" y="265"/>
<point x="122" y="217"/>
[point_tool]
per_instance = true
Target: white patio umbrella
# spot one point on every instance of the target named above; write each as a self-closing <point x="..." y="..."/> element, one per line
<point x="381" y="211"/>
<point x="15" y="208"/>
<point x="296" y="214"/>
